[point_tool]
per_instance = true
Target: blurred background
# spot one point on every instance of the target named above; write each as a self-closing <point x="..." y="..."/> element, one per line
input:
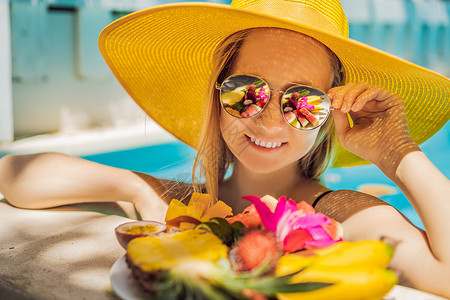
<point x="57" y="94"/>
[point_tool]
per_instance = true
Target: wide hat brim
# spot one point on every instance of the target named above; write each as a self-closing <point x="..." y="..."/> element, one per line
<point x="162" y="57"/>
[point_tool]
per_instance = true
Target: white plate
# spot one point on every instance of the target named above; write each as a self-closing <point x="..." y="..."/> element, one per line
<point x="400" y="292"/>
<point x="123" y="283"/>
<point x="126" y="287"/>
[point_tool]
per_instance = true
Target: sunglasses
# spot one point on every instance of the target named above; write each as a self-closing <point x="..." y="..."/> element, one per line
<point x="245" y="96"/>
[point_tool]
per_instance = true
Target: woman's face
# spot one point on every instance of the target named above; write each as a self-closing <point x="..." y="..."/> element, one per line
<point x="283" y="58"/>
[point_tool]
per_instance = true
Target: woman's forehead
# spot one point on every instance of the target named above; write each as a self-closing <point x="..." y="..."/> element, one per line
<point x="285" y="56"/>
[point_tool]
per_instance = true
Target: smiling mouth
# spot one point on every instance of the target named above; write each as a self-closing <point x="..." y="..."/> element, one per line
<point x="268" y="145"/>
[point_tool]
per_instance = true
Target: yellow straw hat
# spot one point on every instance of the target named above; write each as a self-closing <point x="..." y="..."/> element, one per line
<point x="162" y="57"/>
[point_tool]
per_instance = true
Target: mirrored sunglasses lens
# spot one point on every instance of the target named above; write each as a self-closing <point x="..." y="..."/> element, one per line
<point x="305" y="107"/>
<point x="244" y="96"/>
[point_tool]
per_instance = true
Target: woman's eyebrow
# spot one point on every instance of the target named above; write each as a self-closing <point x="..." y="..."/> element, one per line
<point x="290" y="83"/>
<point x="307" y="83"/>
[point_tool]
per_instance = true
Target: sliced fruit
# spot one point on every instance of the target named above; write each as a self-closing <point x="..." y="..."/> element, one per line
<point x="292" y="119"/>
<point x="186" y="225"/>
<point x="182" y="219"/>
<point x="316" y="109"/>
<point x="251" y="110"/>
<point x="233" y="96"/>
<point x="176" y="209"/>
<point x="314" y="100"/>
<point x="305" y="207"/>
<point x="163" y="252"/>
<point x="218" y="210"/>
<point x="301" y="118"/>
<point x="200" y="200"/>
<point x="131" y="230"/>
<point x="308" y="115"/>
<point x="196" y="211"/>
<point x="249" y="217"/>
<point x="233" y="112"/>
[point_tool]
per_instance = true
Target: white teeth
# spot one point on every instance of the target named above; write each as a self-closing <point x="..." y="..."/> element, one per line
<point x="266" y="144"/>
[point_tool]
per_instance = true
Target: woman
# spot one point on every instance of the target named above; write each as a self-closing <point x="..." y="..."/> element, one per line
<point x="268" y="153"/>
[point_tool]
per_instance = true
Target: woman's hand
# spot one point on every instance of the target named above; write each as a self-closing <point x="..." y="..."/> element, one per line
<point x="147" y="197"/>
<point x="150" y="207"/>
<point x="380" y="132"/>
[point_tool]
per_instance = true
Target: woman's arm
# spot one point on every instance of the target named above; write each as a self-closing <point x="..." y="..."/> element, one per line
<point x="428" y="190"/>
<point x="380" y="135"/>
<point x="52" y="179"/>
<point x="421" y="258"/>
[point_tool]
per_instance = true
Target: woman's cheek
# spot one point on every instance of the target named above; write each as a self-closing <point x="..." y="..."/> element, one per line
<point x="233" y="132"/>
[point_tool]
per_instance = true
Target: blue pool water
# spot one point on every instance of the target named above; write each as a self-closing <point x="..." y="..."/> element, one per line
<point x="174" y="161"/>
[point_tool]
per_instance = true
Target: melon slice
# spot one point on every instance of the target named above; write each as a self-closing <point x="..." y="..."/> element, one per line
<point x="305" y="207"/>
<point x="251" y="110"/>
<point x="301" y="118"/>
<point x="314" y="121"/>
<point x="292" y="119"/>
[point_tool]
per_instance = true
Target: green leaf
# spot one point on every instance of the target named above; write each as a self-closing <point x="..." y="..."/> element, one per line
<point x="271" y="285"/>
<point x="302" y="287"/>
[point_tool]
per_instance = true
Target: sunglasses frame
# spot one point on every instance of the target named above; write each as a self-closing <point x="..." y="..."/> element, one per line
<point x="322" y="94"/>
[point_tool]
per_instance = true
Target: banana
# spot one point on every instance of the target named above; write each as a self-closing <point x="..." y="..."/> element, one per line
<point x="342" y="254"/>
<point x="367" y="252"/>
<point x="363" y="282"/>
<point x="357" y="270"/>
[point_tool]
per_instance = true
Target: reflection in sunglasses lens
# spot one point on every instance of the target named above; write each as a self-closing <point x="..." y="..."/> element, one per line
<point x="244" y="96"/>
<point x="304" y="107"/>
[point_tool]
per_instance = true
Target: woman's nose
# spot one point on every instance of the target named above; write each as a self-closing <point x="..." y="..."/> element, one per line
<point x="271" y="117"/>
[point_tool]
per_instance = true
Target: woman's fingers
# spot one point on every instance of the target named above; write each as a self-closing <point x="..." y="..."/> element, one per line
<point x="373" y="93"/>
<point x="354" y="96"/>
<point x="337" y="95"/>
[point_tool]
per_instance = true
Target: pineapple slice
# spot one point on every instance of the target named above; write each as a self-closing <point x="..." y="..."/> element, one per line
<point x="233" y="96"/>
<point x="163" y="252"/>
<point x="314" y="100"/>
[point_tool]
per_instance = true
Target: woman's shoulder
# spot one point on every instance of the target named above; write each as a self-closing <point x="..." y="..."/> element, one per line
<point x="342" y="204"/>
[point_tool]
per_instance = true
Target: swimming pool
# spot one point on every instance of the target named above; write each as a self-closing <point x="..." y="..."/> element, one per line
<point x="174" y="161"/>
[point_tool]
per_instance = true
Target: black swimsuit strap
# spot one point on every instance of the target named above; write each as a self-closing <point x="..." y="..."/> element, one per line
<point x="320" y="197"/>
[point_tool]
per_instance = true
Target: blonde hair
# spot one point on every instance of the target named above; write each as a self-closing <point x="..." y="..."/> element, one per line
<point x="213" y="156"/>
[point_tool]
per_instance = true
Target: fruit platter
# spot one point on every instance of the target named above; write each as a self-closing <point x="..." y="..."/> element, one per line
<point x="274" y="249"/>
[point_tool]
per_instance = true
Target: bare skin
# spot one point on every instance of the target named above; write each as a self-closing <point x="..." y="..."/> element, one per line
<point x="422" y="258"/>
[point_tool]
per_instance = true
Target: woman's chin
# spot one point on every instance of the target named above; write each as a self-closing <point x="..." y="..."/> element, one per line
<point x="264" y="166"/>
